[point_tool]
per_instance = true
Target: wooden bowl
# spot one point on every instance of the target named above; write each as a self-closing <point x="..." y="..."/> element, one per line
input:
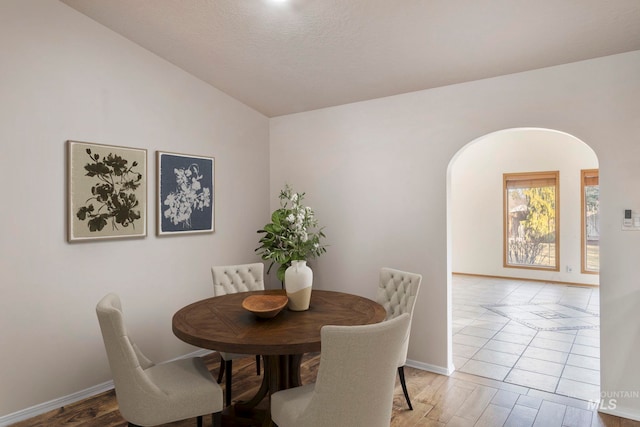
<point x="265" y="306"/>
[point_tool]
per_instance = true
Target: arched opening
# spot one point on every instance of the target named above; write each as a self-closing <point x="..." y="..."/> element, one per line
<point x="533" y="327"/>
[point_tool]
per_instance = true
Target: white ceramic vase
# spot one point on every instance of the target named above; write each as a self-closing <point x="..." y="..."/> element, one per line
<point x="298" y="279"/>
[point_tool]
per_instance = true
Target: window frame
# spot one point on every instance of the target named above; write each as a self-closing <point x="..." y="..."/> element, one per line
<point x="530" y="176"/>
<point x="584" y="174"/>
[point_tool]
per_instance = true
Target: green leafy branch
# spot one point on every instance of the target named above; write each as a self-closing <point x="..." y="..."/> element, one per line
<point x="291" y="234"/>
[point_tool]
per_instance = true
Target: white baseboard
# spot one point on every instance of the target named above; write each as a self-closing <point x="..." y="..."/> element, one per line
<point x="622" y="412"/>
<point x="428" y="367"/>
<point x="60" y="402"/>
<point x="42" y="408"/>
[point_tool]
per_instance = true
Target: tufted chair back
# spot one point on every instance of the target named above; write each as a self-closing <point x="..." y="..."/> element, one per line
<point x="397" y="293"/>
<point x="230" y="279"/>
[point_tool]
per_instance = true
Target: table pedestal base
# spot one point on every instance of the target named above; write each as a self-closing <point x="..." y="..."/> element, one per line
<point x="253" y="418"/>
<point x="280" y="372"/>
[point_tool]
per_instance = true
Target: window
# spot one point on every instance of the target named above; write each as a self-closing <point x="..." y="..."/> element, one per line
<point x="590" y="242"/>
<point x="531" y="218"/>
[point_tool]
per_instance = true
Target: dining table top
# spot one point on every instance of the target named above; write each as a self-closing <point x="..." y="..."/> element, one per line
<point x="222" y="324"/>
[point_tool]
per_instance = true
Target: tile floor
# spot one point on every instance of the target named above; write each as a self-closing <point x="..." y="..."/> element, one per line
<point x="543" y="336"/>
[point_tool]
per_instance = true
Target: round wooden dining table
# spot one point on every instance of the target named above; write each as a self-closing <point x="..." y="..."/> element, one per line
<point x="222" y="324"/>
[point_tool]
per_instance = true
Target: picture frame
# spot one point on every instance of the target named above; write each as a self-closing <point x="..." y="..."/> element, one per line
<point x="185" y="203"/>
<point x="106" y="191"/>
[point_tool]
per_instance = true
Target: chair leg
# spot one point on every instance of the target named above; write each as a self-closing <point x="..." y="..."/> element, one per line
<point x="227" y="385"/>
<point x="199" y="420"/>
<point x="257" y="364"/>
<point x="216" y="419"/>
<point x="221" y="370"/>
<point x="404" y="386"/>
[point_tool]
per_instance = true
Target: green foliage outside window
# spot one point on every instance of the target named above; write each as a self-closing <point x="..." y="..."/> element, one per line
<point x="534" y="233"/>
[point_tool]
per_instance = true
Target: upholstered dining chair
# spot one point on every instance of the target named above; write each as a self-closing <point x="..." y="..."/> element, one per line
<point x="355" y="381"/>
<point x="150" y="394"/>
<point x="230" y="279"/>
<point x="397" y="293"/>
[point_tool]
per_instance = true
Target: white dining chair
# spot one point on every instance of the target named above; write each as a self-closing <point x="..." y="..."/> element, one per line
<point x="397" y="293"/>
<point x="230" y="279"/>
<point x="355" y="381"/>
<point x="150" y="394"/>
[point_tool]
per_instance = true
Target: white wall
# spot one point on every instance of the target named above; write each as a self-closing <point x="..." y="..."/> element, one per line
<point x="63" y="76"/>
<point x="376" y="174"/>
<point x="477" y="205"/>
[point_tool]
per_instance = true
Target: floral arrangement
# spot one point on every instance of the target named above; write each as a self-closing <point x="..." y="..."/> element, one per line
<point x="292" y="234"/>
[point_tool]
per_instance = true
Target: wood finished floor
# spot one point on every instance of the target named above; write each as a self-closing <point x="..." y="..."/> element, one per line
<point x="456" y="401"/>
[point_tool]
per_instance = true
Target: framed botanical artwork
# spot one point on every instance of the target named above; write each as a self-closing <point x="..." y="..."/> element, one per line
<point x="106" y="191"/>
<point x="185" y="202"/>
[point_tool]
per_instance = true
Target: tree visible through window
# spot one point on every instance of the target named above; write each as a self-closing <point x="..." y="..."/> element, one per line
<point x="590" y="221"/>
<point x="531" y="220"/>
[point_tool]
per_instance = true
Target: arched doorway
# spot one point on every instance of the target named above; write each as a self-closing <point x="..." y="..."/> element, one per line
<point x="531" y="327"/>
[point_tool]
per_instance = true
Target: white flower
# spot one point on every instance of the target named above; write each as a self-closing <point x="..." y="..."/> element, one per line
<point x="294" y="197"/>
<point x="189" y="195"/>
<point x="206" y="195"/>
<point x="170" y="199"/>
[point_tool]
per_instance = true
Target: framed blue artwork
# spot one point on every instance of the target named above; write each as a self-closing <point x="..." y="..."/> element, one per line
<point x="185" y="202"/>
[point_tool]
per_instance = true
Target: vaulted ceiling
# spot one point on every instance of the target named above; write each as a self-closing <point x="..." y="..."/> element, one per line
<point x="283" y="57"/>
